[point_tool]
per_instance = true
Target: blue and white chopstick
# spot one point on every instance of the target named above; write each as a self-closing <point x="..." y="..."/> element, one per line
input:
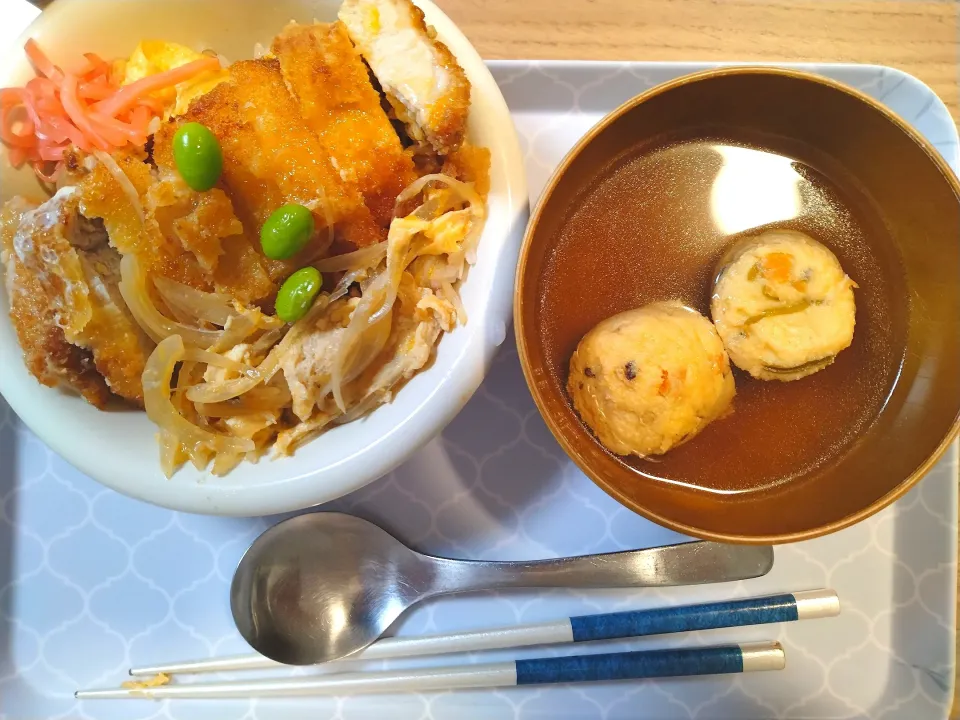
<point x="785" y="607"/>
<point x="747" y="657"/>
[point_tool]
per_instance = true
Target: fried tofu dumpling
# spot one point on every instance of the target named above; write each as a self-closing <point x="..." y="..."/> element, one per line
<point x="647" y="380"/>
<point x="783" y="306"/>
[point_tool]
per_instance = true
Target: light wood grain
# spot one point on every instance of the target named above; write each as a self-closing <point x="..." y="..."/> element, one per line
<point x="921" y="38"/>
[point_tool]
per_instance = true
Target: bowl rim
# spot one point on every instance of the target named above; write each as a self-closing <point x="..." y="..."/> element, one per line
<point x="520" y="328"/>
<point x="409" y="423"/>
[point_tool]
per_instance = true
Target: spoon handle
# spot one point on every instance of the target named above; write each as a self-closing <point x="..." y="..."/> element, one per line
<point x="691" y="563"/>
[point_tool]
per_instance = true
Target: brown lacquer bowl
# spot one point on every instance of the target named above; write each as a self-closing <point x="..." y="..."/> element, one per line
<point x="645" y="207"/>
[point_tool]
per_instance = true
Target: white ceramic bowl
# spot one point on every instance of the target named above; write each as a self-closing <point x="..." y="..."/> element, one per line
<point x="118" y="448"/>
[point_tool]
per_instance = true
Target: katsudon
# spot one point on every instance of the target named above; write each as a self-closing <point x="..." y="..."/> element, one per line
<point x="252" y="252"/>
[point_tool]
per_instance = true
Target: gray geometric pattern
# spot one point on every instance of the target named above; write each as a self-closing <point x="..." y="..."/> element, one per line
<point x="92" y="582"/>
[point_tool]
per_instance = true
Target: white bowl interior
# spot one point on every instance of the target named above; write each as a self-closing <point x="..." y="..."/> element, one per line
<point x="118" y="448"/>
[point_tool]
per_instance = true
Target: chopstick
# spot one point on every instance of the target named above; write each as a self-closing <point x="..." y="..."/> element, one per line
<point x="785" y="607"/>
<point x="745" y="657"/>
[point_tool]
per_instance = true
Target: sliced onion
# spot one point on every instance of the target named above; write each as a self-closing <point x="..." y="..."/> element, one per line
<point x="185" y="378"/>
<point x="238" y="323"/>
<point x="157" y="375"/>
<point x="417" y="186"/>
<point x="327" y="217"/>
<point x="222" y="361"/>
<point x="172" y="454"/>
<point x="453" y="297"/>
<point x="373" y="297"/>
<point x="133" y="288"/>
<point x="209" y="393"/>
<point x="258" y="400"/>
<point x="262" y="345"/>
<point x="223" y="463"/>
<point x="379" y="297"/>
<point x="398" y="257"/>
<point x="176" y="313"/>
<point x="215" y="308"/>
<point x="343" y="287"/>
<point x="370" y="346"/>
<point x="237" y="329"/>
<point x="359" y="410"/>
<point x="214" y="392"/>
<point x="360" y="355"/>
<point x="366" y="257"/>
<point x="200" y="456"/>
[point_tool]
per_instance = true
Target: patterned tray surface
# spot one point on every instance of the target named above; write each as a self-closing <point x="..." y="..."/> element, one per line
<point x="92" y="582"/>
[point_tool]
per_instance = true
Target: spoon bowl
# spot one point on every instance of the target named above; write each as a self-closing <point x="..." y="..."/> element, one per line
<point x="333" y="584"/>
<point x="322" y="586"/>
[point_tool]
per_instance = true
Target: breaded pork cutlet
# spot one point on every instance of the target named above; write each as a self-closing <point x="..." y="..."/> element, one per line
<point x="61" y="278"/>
<point x="46" y="352"/>
<point x="423" y="82"/>
<point x="326" y="74"/>
<point x="191" y="237"/>
<point x="270" y="156"/>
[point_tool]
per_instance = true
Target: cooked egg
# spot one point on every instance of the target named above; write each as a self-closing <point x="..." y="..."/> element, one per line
<point x="783" y="306"/>
<point x="647" y="380"/>
<point x="155" y="56"/>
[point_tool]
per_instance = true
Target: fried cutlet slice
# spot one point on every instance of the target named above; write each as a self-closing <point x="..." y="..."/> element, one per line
<point x="138" y="229"/>
<point x="46" y="352"/>
<point x="42" y="247"/>
<point x="61" y="278"/>
<point x="428" y="90"/>
<point x="191" y="237"/>
<point x="120" y="349"/>
<point x="209" y="240"/>
<point x="470" y="164"/>
<point x="325" y="73"/>
<point x="270" y="157"/>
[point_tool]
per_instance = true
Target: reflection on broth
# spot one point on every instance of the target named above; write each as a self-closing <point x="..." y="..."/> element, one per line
<point x="753" y="188"/>
<point x="664" y="215"/>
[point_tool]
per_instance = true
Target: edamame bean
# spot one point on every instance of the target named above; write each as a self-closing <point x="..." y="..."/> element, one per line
<point x="286" y="231"/>
<point x="197" y="155"/>
<point x="297" y="294"/>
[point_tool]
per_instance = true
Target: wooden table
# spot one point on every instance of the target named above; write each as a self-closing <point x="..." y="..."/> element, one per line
<point x="921" y="38"/>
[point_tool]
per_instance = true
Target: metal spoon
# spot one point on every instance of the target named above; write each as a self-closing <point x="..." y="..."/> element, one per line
<point x="321" y="586"/>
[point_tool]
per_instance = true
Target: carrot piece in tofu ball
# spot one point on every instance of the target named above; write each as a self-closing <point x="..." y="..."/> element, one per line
<point x="783" y="306"/>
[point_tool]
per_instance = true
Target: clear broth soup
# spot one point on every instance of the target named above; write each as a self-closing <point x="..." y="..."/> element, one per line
<point x="665" y="214"/>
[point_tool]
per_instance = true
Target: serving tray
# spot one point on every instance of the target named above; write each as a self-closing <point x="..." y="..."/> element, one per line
<point x="92" y="582"/>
